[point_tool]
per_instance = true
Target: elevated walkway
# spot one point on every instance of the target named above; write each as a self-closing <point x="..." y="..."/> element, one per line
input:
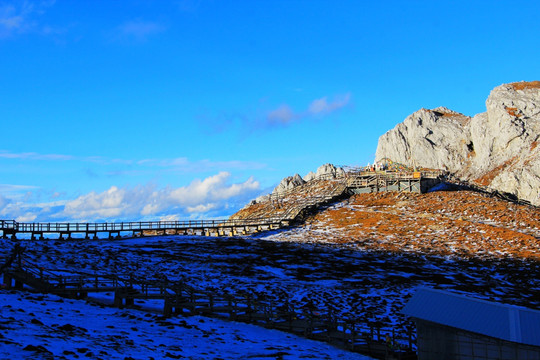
<point x="359" y="182"/>
<point x="222" y="227"/>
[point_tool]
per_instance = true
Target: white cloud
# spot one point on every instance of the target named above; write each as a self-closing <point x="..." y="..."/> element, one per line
<point x="26" y="217"/>
<point x="175" y="164"/>
<point x="284" y="115"/>
<point x="211" y="189"/>
<point x="10" y="18"/>
<point x="201" y="196"/>
<point x="93" y="205"/>
<point x="35" y="156"/>
<point x="170" y="217"/>
<point x="281" y="115"/>
<point x="139" y="30"/>
<point x="201" y="208"/>
<point x="322" y="106"/>
<point x="8" y="188"/>
<point x="3" y="203"/>
<point x="19" y="211"/>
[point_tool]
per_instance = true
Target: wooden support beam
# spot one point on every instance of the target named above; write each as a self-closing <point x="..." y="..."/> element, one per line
<point x="8" y="280"/>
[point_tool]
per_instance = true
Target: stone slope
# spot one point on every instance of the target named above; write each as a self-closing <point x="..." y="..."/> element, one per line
<point x="497" y="149"/>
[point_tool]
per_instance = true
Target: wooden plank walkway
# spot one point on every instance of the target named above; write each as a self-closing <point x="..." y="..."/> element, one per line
<point x="221" y="227"/>
<point x="378" y="181"/>
<point x="370" y="338"/>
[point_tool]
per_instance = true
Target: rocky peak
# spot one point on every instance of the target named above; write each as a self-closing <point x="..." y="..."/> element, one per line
<point x="429" y="138"/>
<point x="289" y="183"/>
<point x="329" y="171"/>
<point x="497" y="148"/>
<point x="309" y="176"/>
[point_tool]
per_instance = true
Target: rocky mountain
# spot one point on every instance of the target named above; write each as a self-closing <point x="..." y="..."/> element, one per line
<point x="497" y="149"/>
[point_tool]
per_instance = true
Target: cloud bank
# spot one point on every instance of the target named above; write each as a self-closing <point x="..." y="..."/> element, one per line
<point x="212" y="196"/>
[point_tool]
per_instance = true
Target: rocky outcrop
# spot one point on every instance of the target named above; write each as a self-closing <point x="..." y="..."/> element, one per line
<point x="289" y="183"/>
<point x="326" y="171"/>
<point x="435" y="138"/>
<point x="310" y="176"/>
<point x="497" y="149"/>
<point x="329" y="171"/>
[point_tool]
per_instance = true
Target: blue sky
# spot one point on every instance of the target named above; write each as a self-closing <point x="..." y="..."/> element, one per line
<point x="117" y="110"/>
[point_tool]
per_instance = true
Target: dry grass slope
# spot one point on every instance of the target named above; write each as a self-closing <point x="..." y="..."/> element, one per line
<point x="463" y="223"/>
<point x="487" y="178"/>
<point x="524" y="85"/>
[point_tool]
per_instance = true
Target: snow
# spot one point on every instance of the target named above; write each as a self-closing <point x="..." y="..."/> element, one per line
<point x="36" y="326"/>
<point x="317" y="264"/>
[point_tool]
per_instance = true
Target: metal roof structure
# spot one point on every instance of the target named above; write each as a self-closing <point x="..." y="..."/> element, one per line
<point x="507" y="322"/>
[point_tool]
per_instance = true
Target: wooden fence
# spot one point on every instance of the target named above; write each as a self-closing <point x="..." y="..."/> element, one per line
<point x="368" y="337"/>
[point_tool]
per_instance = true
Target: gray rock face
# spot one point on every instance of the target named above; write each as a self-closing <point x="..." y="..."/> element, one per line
<point x="326" y="171"/>
<point x="329" y="171"/>
<point x="309" y="176"/>
<point x="435" y="138"/>
<point x="289" y="183"/>
<point x="497" y="148"/>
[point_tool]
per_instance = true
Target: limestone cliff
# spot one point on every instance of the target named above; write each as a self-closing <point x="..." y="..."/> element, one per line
<point x="497" y="148"/>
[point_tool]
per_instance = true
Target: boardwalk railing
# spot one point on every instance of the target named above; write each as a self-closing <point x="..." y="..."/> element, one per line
<point x="131" y="226"/>
<point x="8" y="225"/>
<point x="219" y="227"/>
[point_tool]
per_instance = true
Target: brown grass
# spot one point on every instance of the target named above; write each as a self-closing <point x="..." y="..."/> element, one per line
<point x="512" y="111"/>
<point x="488" y="178"/>
<point x="524" y="85"/>
<point x="464" y="224"/>
<point x="456" y="116"/>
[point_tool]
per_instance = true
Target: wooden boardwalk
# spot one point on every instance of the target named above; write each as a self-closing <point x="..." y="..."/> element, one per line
<point x="66" y="231"/>
<point x="407" y="181"/>
<point x="370" y="338"/>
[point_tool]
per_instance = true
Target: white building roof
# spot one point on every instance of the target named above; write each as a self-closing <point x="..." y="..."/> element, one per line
<point x="507" y="322"/>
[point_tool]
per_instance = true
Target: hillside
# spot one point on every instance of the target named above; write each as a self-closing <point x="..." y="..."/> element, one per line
<point x="462" y="224"/>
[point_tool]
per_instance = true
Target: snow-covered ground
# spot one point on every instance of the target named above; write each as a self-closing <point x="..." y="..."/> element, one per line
<point x="286" y="265"/>
<point x="36" y="326"/>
